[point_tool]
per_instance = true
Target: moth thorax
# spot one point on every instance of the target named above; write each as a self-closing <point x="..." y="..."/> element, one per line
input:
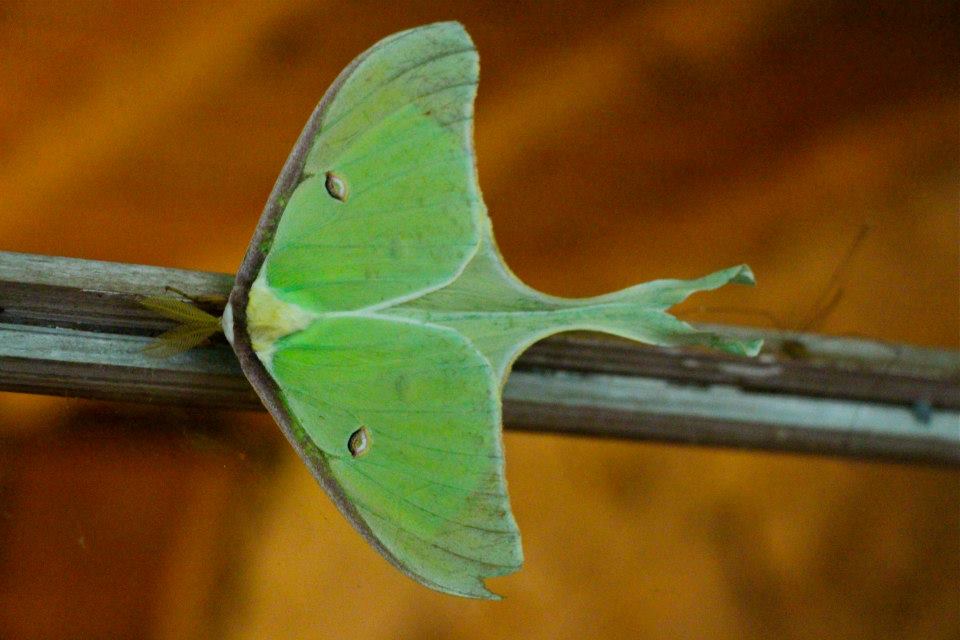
<point x="269" y="318"/>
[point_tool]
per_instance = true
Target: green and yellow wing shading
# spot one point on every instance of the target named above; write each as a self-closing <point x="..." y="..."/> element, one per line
<point x="408" y="417"/>
<point x="384" y="321"/>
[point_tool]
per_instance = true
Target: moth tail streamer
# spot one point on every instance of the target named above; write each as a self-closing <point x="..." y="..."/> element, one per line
<point x="195" y="326"/>
<point x="640" y="313"/>
<point x="637" y="313"/>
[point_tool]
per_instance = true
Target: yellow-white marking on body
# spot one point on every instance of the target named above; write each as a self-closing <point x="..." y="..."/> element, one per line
<point x="269" y="318"/>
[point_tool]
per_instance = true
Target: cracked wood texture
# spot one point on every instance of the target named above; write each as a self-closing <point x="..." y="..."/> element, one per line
<point x="617" y="142"/>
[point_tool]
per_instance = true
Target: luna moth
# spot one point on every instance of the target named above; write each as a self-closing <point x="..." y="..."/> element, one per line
<point x="377" y="321"/>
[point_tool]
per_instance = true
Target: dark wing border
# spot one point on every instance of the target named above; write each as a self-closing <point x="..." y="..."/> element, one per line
<point x="290" y="176"/>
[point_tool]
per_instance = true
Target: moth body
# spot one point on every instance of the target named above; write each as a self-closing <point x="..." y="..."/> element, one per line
<point x="377" y="321"/>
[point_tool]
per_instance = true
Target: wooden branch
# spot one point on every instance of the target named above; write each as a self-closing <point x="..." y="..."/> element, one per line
<point x="75" y="327"/>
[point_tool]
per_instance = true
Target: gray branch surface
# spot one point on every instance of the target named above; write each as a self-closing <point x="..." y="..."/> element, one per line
<point x="75" y="328"/>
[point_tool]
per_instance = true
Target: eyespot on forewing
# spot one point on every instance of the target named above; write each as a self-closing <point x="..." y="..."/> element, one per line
<point x="336" y="186"/>
<point x="359" y="442"/>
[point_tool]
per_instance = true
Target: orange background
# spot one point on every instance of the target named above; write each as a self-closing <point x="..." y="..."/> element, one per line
<point x="616" y="142"/>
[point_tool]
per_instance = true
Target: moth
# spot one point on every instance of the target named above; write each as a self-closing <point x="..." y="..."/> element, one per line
<point x="377" y="321"/>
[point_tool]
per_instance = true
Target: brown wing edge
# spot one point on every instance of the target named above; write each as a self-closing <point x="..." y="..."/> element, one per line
<point x="253" y="369"/>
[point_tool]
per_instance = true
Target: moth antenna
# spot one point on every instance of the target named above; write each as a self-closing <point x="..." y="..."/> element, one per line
<point x="195" y="326"/>
<point x="211" y="299"/>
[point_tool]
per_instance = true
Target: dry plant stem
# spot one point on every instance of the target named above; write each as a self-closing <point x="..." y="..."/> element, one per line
<point x="75" y="327"/>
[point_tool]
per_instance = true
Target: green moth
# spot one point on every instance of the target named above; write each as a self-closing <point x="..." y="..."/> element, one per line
<point x="376" y="319"/>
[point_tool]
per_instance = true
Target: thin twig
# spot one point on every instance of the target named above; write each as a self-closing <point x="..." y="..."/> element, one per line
<point x="74" y="327"/>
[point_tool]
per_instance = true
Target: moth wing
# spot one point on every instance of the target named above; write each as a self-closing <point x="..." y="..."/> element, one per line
<point x="388" y="206"/>
<point x="403" y="420"/>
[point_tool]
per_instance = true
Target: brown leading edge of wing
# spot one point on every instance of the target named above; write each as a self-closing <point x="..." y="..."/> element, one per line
<point x="253" y="369"/>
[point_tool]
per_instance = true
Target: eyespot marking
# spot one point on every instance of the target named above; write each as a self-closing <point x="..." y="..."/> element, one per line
<point x="336" y="187"/>
<point x="359" y="442"/>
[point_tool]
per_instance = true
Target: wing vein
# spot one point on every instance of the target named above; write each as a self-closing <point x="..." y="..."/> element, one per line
<point x="325" y="127"/>
<point x="439" y="516"/>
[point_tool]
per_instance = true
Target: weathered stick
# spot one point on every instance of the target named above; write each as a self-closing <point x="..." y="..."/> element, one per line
<point x="74" y="327"/>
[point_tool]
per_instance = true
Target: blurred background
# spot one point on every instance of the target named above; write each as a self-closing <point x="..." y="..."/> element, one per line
<point x="617" y="142"/>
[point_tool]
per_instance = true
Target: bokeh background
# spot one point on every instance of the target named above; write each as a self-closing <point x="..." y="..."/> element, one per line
<point x="617" y="142"/>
